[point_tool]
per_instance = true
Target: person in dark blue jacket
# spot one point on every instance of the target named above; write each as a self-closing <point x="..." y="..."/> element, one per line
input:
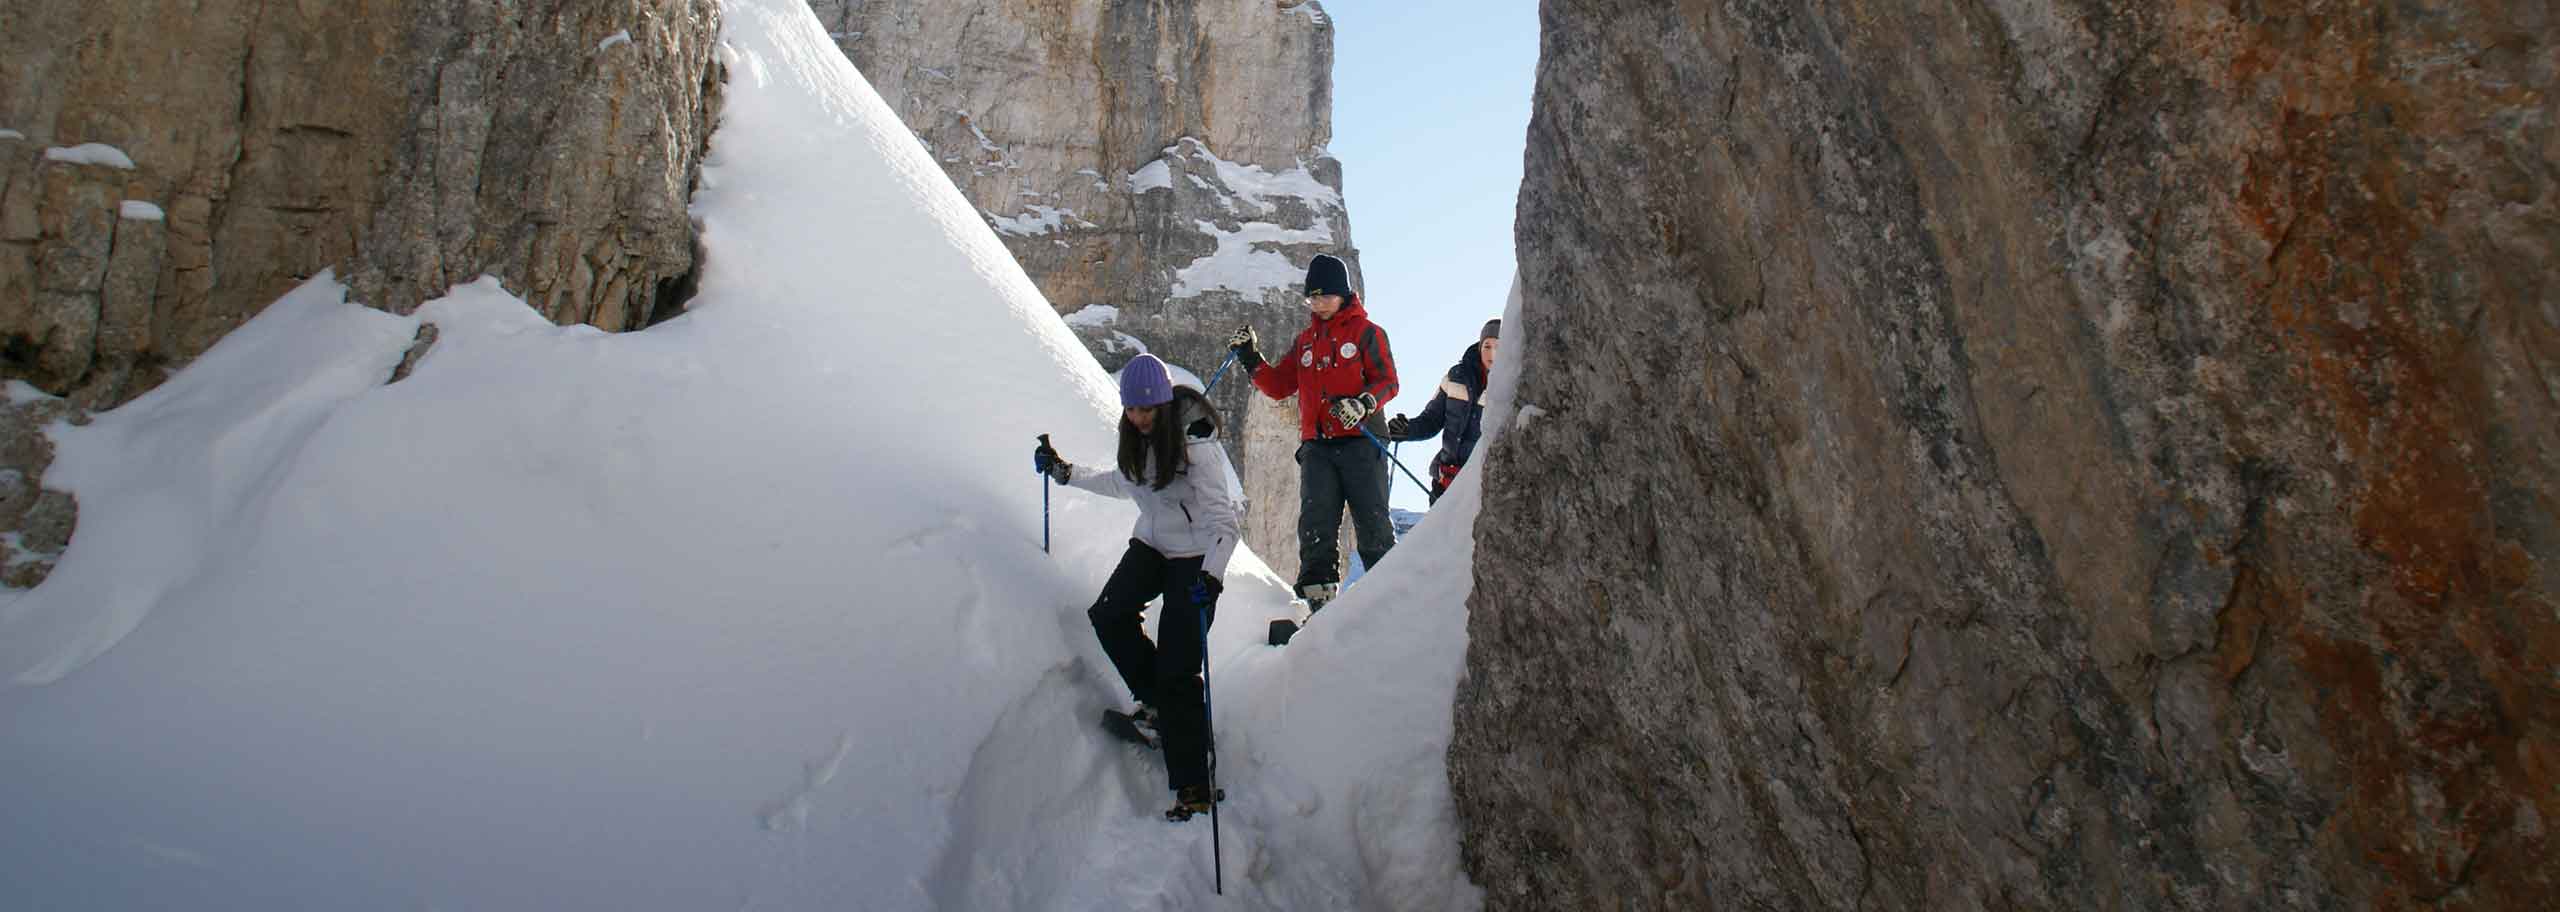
<point x="1456" y="412"/>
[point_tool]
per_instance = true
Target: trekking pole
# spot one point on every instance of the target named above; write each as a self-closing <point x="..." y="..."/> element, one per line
<point x="1209" y="726"/>
<point x="1044" y="501"/>
<point x="1391" y="457"/>
<point x="1220" y="372"/>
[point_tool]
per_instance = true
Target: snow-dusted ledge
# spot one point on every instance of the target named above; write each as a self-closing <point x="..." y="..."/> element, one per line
<point x="21" y="392"/>
<point x="90" y="154"/>
<point x="1247" y="260"/>
<point x="1251" y="184"/>
<point x="621" y="37"/>
<point x="1155" y="175"/>
<point x="1038" y="220"/>
<point x="140" y="211"/>
<point x="1094" y="315"/>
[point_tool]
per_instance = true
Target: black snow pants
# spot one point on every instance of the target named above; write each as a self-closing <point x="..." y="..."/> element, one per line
<point x="1164" y="674"/>
<point x="1330" y="473"/>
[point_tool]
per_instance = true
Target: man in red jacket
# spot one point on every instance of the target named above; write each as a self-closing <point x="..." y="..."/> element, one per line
<point x="1339" y="369"/>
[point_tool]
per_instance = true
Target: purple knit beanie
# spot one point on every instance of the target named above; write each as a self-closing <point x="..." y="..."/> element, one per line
<point x="1144" y="382"/>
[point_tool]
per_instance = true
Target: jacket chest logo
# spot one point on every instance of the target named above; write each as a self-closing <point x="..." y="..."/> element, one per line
<point x="1307" y="356"/>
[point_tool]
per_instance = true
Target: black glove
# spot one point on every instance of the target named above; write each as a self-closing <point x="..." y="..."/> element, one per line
<point x="1242" y="344"/>
<point x="1397" y="426"/>
<point x="1353" y="408"/>
<point x="1206" y="589"/>
<point x="1045" y="461"/>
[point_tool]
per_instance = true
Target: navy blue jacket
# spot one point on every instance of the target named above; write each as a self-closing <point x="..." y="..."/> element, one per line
<point x="1456" y="412"/>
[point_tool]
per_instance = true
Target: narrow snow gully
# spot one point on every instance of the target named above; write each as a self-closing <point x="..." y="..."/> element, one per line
<point x="748" y="610"/>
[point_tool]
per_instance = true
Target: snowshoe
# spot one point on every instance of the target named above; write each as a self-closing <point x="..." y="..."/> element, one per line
<point x="1137" y="728"/>
<point x="1192" y="801"/>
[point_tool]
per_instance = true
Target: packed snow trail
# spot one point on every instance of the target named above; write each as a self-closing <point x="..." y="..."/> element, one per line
<point x="746" y="610"/>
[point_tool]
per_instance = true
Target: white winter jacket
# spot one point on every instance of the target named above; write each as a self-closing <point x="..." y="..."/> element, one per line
<point x="1199" y="515"/>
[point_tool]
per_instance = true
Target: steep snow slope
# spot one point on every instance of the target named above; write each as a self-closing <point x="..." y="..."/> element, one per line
<point x="746" y="610"/>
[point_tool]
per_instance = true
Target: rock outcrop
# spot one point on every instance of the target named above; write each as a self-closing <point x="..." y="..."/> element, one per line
<point x="168" y="168"/>
<point x="1158" y="169"/>
<point x="2091" y="456"/>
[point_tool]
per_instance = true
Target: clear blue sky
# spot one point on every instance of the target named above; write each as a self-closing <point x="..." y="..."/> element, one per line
<point x="1430" y="116"/>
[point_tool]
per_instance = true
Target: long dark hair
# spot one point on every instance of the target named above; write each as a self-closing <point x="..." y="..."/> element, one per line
<point x="1165" y="442"/>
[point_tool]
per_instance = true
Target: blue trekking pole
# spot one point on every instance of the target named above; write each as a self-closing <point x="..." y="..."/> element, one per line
<point x="1209" y="726"/>
<point x="1391" y="456"/>
<point x="1208" y="713"/>
<point x="1220" y="372"/>
<point x="1044" y="499"/>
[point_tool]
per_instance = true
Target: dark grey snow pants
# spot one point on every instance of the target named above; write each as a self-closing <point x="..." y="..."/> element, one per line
<point x="1332" y="472"/>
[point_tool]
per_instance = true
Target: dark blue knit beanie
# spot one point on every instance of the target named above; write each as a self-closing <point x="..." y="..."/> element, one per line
<point x="1326" y="276"/>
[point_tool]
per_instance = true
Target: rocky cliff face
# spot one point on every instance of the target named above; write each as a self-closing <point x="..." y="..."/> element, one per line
<point x="168" y="168"/>
<point x="2026" y="455"/>
<point x="1159" y="169"/>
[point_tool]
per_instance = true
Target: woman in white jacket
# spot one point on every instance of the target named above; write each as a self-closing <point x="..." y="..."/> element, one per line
<point x="1187" y="528"/>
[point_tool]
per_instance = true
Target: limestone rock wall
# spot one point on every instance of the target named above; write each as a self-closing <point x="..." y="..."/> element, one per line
<point x="168" y="167"/>
<point x="1159" y="169"/>
<point x="2034" y="454"/>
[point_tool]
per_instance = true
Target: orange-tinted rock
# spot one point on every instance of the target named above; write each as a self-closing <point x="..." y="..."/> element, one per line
<point x="2091" y="457"/>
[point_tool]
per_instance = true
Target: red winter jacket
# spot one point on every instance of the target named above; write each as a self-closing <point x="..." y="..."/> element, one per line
<point x="1343" y="356"/>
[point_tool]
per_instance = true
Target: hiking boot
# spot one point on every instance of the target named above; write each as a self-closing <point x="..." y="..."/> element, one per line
<point x="1193" y="800"/>
<point x="1316" y="594"/>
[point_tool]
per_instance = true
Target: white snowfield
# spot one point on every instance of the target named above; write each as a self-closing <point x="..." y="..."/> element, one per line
<point x="746" y="610"/>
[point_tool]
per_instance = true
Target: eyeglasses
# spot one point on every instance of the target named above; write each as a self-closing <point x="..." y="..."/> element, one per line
<point x="1312" y="299"/>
